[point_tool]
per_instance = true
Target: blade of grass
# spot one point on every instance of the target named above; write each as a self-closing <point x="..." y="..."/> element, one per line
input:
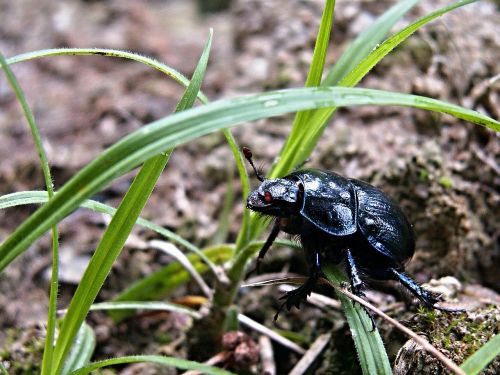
<point x="481" y="358"/>
<point x="319" y="55"/>
<point x="40" y="197"/>
<point x="158" y="66"/>
<point x="166" y="361"/>
<point x="187" y="125"/>
<point x="81" y="351"/>
<point x="301" y="145"/>
<point x="317" y="65"/>
<point x="179" y="256"/>
<point x="222" y="231"/>
<point x="141" y="305"/>
<point x="109" y="53"/>
<point x="447" y="362"/>
<point x="154" y="64"/>
<point x="54" y="280"/>
<point x="369" y="346"/>
<point x="366" y="41"/>
<point x="162" y="282"/>
<point x="103" y="258"/>
<point x="119" y="228"/>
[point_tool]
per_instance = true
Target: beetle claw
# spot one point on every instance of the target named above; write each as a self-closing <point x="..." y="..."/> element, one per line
<point x="297" y="296"/>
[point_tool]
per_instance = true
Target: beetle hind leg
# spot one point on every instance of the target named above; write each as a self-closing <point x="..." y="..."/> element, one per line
<point x="427" y="297"/>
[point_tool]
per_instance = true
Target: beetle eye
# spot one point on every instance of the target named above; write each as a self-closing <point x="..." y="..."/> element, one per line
<point x="268" y="198"/>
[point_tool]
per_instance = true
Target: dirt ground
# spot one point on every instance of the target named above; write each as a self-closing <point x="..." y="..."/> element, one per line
<point x="444" y="172"/>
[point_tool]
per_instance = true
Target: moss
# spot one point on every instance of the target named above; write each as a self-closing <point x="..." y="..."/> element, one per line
<point x="23" y="350"/>
<point x="445" y="182"/>
<point x="456" y="335"/>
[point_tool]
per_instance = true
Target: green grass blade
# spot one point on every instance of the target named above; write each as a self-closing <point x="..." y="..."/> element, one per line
<point x="319" y="56"/>
<point x="244" y="232"/>
<point x="54" y="282"/>
<point x="103" y="258"/>
<point x="39" y="197"/>
<point x="301" y="145"/>
<point x="187" y="125"/>
<point x="223" y="220"/>
<point x="109" y="53"/>
<point x="366" y="41"/>
<point x="481" y="358"/>
<point x="172" y="275"/>
<point x="387" y="46"/>
<point x="316" y="69"/>
<point x="141" y="305"/>
<point x="369" y="346"/>
<point x="119" y="228"/>
<point x="158" y="66"/>
<point x="81" y="351"/>
<point x="182" y="364"/>
<point x="167" y="279"/>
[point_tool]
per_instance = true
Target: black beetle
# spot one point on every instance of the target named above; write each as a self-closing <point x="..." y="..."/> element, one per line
<point x="338" y="218"/>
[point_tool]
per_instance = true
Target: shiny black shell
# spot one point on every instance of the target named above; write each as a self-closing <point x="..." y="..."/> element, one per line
<point x="341" y="206"/>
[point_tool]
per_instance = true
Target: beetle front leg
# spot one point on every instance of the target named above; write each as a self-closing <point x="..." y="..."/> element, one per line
<point x="267" y="245"/>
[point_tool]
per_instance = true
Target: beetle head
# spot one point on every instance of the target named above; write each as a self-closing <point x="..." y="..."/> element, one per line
<point x="277" y="197"/>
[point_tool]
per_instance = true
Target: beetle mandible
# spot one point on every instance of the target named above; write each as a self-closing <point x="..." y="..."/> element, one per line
<point x="338" y="218"/>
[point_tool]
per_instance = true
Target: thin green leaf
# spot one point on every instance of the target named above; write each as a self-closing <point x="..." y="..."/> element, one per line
<point x="387" y="46"/>
<point x="103" y="258"/>
<point x="369" y="346"/>
<point x="366" y="41"/>
<point x="319" y="56"/>
<point x="81" y="351"/>
<point x="222" y="231"/>
<point x="173" y="274"/>
<point x="305" y="139"/>
<point x="481" y="358"/>
<point x="165" y="280"/>
<point x="187" y="125"/>
<point x="39" y="197"/>
<point x="141" y="305"/>
<point x="119" y="228"/>
<point x="158" y="66"/>
<point x="54" y="282"/>
<point x="109" y="53"/>
<point x="317" y="65"/>
<point x="166" y="361"/>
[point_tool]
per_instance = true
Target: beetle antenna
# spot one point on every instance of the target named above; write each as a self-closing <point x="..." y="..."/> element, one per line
<point x="248" y="156"/>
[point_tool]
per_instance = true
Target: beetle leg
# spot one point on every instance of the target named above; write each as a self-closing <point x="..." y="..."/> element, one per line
<point x="297" y="296"/>
<point x="267" y="245"/>
<point x="357" y="284"/>
<point x="428" y="298"/>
